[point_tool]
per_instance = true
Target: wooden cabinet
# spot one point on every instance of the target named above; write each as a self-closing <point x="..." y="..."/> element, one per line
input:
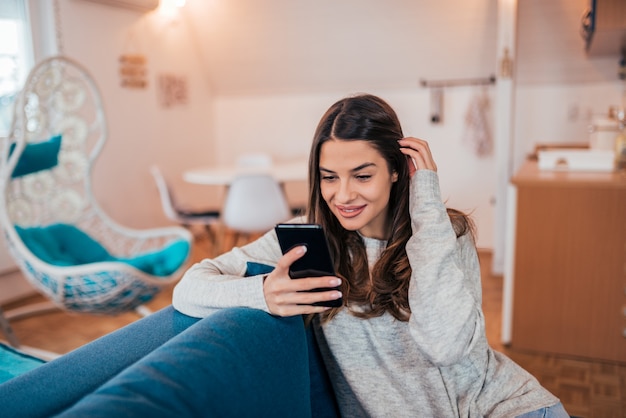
<point x="608" y="30"/>
<point x="569" y="264"/>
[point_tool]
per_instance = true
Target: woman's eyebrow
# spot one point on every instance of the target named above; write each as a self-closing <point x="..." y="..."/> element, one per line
<point x="355" y="169"/>
<point x="362" y="166"/>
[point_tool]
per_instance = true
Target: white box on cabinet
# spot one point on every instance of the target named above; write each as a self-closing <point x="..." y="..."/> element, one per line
<point x="576" y="160"/>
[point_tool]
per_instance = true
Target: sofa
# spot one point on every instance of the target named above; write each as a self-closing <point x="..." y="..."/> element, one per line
<point x="236" y="362"/>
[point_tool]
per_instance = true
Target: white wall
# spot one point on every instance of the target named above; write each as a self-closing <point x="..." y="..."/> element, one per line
<point x="559" y="113"/>
<point x="141" y="131"/>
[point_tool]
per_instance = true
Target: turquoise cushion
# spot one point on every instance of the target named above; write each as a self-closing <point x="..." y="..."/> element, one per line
<point x="254" y="269"/>
<point x="162" y="262"/>
<point x="63" y="245"/>
<point x="67" y="245"/>
<point x="14" y="363"/>
<point x="37" y="156"/>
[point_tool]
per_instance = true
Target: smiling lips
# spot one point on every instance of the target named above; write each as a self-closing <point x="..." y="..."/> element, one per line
<point x="350" y="211"/>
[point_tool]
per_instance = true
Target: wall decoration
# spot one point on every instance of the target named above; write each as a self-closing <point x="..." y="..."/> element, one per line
<point x="172" y="90"/>
<point x="133" y="71"/>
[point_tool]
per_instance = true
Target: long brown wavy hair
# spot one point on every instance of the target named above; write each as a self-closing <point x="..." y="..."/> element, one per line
<point x="369" y="118"/>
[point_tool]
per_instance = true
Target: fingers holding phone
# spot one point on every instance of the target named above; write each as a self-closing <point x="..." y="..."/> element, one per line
<point x="287" y="297"/>
<point x="315" y="262"/>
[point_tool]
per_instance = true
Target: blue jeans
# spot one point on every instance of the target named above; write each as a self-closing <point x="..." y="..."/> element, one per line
<point x="554" y="411"/>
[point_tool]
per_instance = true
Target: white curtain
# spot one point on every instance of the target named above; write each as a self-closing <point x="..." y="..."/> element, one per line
<point x="16" y="55"/>
<point x="16" y="60"/>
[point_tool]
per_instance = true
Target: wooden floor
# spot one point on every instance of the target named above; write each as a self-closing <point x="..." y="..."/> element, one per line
<point x="586" y="388"/>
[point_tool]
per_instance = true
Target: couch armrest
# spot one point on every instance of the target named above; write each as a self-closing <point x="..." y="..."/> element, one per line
<point x="235" y="362"/>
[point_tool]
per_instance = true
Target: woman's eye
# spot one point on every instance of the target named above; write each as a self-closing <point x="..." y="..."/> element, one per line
<point x="363" y="177"/>
<point x="328" y="177"/>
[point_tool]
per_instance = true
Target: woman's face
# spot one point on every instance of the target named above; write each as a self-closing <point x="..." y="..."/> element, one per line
<point x="356" y="183"/>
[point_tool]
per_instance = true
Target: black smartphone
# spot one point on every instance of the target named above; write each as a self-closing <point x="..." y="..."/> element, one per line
<point x="316" y="261"/>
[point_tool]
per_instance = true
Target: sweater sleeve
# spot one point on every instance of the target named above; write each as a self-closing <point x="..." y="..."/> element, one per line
<point x="218" y="283"/>
<point x="444" y="292"/>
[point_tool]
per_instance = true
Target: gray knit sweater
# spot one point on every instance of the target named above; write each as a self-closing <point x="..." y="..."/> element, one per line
<point x="438" y="364"/>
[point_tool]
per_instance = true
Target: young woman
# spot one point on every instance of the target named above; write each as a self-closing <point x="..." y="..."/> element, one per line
<point x="410" y="338"/>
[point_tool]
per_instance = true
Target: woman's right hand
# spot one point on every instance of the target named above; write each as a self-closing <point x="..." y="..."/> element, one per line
<point x="418" y="153"/>
<point x="288" y="297"/>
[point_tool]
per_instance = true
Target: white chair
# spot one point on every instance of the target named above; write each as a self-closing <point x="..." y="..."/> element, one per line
<point x="254" y="204"/>
<point x="257" y="160"/>
<point x="188" y="218"/>
<point x="66" y="246"/>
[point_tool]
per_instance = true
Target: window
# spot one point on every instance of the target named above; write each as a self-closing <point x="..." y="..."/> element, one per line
<point x="15" y="56"/>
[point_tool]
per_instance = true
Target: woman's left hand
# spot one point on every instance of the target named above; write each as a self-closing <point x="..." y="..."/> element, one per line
<point x="418" y="154"/>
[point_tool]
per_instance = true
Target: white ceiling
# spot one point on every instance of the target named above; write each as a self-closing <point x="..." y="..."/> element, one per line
<point x="257" y="46"/>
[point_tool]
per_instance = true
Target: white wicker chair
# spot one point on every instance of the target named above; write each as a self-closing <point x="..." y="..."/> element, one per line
<point x="60" y="98"/>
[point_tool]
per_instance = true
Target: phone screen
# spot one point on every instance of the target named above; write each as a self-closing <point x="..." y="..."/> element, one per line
<point x="316" y="261"/>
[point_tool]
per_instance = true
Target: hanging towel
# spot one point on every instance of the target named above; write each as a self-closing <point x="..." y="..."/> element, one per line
<point x="477" y="130"/>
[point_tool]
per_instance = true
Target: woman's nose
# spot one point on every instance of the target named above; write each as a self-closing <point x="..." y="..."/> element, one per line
<point x="345" y="192"/>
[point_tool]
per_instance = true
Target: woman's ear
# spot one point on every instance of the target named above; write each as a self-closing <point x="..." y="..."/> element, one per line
<point x="394" y="176"/>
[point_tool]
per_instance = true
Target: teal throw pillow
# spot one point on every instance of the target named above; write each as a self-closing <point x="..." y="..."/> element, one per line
<point x="67" y="245"/>
<point x="37" y="156"/>
<point x="162" y="262"/>
<point x="63" y="245"/>
<point x="254" y="269"/>
<point x="14" y="363"/>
